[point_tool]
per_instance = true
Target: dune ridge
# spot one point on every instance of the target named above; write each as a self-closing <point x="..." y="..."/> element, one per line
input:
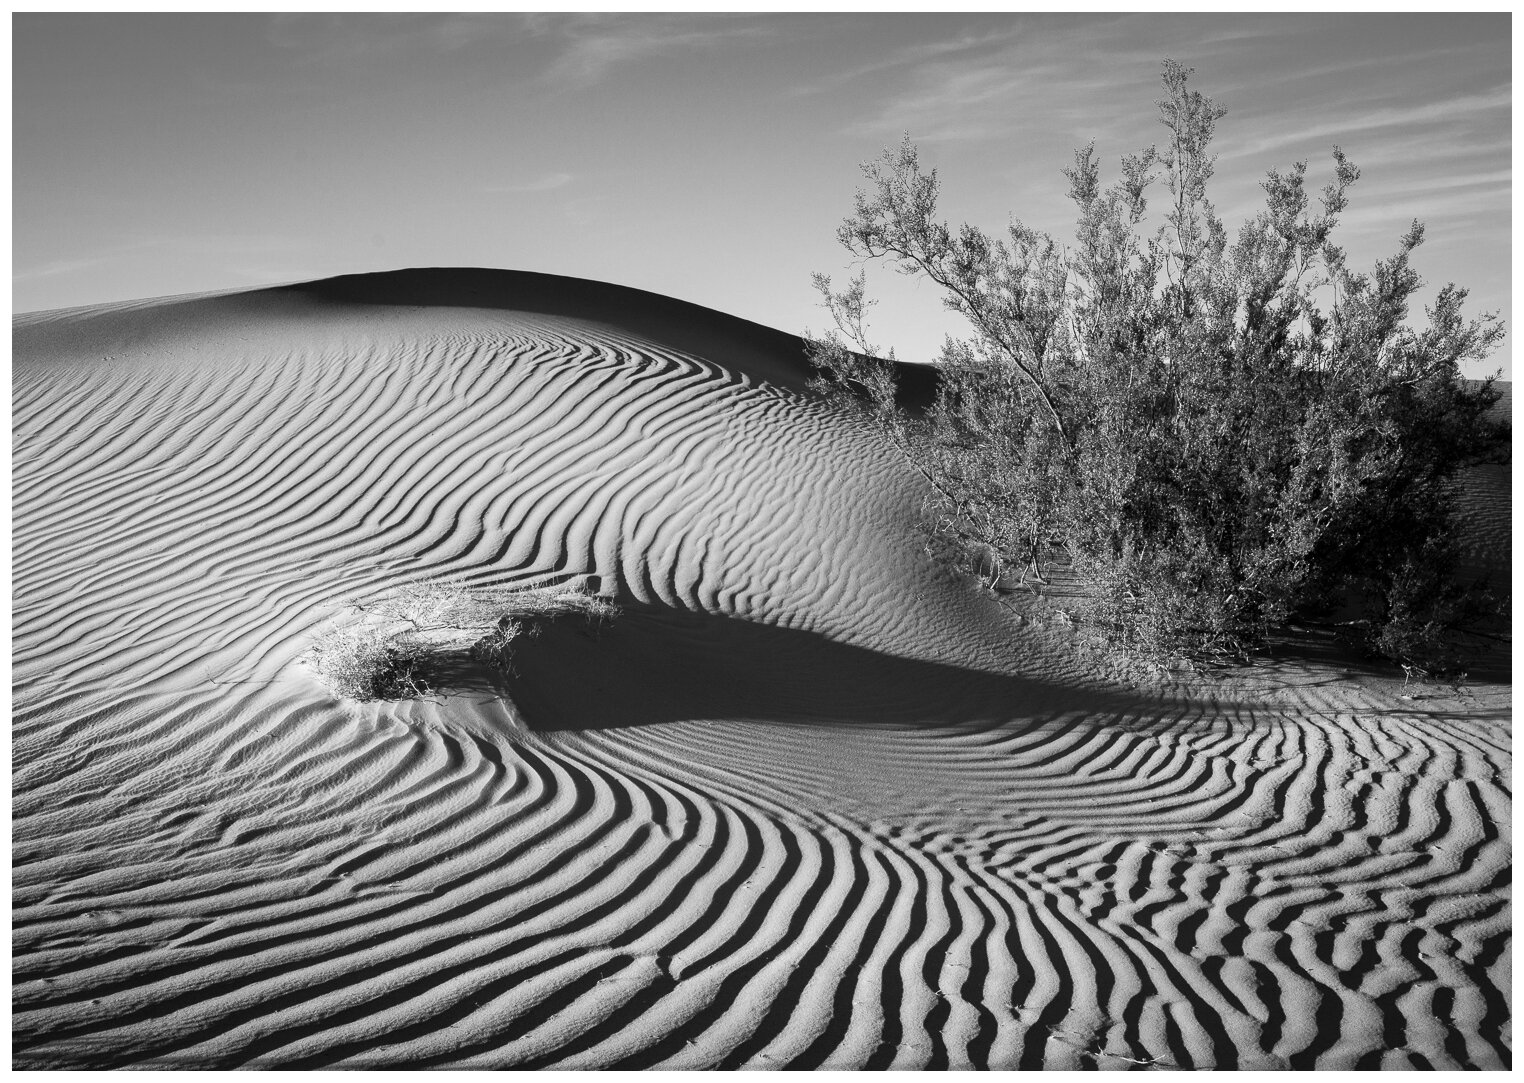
<point x="808" y="803"/>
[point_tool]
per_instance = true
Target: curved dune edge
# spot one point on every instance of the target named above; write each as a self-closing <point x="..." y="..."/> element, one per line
<point x="806" y="804"/>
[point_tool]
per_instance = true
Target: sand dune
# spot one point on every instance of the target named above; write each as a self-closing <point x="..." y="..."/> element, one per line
<point x="1483" y="506"/>
<point x="807" y="803"/>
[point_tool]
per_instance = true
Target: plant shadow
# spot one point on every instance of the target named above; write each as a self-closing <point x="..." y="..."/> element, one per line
<point x="655" y="664"/>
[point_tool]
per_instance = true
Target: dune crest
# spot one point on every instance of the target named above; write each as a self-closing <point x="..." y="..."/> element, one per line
<point x="808" y="803"/>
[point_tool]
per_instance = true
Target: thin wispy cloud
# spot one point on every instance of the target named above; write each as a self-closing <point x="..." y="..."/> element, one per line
<point x="1386" y="204"/>
<point x="593" y="48"/>
<point x="335" y="39"/>
<point x="460" y="31"/>
<point x="548" y="183"/>
<point x="1019" y="79"/>
<point x="1451" y="114"/>
<point x="357" y="42"/>
<point x="186" y="244"/>
<point x="1498" y="182"/>
<point x="54" y="268"/>
<point x="961" y="101"/>
<point x="1341" y="70"/>
<point x="220" y="261"/>
<point x="908" y="56"/>
<point x="1389" y="217"/>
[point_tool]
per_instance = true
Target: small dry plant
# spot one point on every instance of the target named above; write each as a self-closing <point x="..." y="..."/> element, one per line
<point x="394" y="649"/>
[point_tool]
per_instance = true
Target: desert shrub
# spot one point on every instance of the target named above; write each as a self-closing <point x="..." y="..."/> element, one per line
<point x="367" y="662"/>
<point x="1222" y="434"/>
<point x="395" y="647"/>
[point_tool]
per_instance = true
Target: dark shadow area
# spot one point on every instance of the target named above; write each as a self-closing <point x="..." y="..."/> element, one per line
<point x="1486" y="657"/>
<point x="654" y="664"/>
<point x="1327" y="643"/>
<point x="704" y="332"/>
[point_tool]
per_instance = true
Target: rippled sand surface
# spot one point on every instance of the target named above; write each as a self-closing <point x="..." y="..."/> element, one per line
<point x="807" y="803"/>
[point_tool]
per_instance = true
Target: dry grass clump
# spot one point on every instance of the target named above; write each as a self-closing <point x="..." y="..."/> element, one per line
<point x="393" y="651"/>
<point x="364" y="662"/>
<point x="522" y="614"/>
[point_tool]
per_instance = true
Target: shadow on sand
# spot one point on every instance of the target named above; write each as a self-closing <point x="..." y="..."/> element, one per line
<point x="654" y="664"/>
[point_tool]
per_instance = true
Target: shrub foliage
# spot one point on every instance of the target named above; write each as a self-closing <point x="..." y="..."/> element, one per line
<point x="1221" y="433"/>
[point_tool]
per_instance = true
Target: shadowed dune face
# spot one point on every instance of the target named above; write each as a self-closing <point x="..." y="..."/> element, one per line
<point x="1484" y="505"/>
<point x="805" y="804"/>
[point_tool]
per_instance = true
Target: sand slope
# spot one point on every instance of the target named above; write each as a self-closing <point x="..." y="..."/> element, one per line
<point x="1484" y="501"/>
<point x="806" y="804"/>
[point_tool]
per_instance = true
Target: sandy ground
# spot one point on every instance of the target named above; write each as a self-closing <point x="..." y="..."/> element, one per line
<point x="807" y="803"/>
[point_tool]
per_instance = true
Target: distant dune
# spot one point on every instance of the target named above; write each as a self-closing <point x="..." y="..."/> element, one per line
<point x="809" y="803"/>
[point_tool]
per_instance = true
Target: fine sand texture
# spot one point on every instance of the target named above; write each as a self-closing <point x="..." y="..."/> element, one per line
<point x="807" y="803"/>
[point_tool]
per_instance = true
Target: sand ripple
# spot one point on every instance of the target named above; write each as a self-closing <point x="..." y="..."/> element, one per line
<point x="805" y="805"/>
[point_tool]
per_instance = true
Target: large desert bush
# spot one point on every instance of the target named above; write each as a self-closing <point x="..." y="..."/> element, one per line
<point x="394" y="648"/>
<point x="1221" y="432"/>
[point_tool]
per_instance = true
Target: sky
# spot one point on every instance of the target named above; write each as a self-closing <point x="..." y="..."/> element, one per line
<point x="707" y="157"/>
